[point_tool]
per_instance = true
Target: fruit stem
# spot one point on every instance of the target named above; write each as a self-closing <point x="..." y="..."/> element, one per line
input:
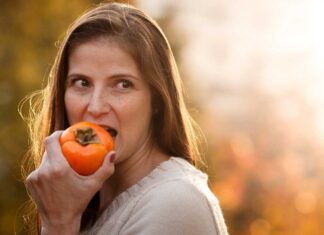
<point x="85" y="136"/>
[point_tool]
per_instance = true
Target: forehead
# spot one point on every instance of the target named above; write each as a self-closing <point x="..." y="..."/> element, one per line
<point x="101" y="54"/>
<point x="104" y="40"/>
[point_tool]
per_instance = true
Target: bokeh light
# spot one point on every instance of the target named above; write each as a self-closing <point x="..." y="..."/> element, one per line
<point x="254" y="78"/>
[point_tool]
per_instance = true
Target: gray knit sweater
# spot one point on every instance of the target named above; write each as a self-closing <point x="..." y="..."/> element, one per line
<point x="174" y="199"/>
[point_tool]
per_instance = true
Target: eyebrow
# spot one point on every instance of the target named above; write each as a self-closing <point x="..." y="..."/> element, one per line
<point x="118" y="75"/>
<point x="76" y="75"/>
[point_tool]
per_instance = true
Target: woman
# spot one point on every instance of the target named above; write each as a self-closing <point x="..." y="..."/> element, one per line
<point x="115" y="68"/>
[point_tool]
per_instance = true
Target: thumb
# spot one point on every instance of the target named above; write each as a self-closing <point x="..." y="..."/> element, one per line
<point x="107" y="168"/>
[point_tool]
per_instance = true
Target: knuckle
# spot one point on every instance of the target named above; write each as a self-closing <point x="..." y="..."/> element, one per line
<point x="52" y="137"/>
<point x="42" y="177"/>
<point x="49" y="171"/>
<point x="32" y="178"/>
<point x="58" y="172"/>
<point x="48" y="141"/>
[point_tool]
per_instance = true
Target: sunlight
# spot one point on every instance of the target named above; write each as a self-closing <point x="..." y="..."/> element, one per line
<point x="314" y="34"/>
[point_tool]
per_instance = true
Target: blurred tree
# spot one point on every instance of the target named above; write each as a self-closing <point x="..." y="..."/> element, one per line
<point x="265" y="163"/>
<point x="29" y="32"/>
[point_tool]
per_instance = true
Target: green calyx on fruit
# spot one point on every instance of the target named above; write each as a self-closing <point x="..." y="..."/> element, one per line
<point x="85" y="136"/>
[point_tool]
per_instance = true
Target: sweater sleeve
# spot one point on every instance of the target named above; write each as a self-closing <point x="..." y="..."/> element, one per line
<point x="176" y="207"/>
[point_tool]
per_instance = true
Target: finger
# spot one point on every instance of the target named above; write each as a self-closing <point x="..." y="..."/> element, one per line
<point x="107" y="168"/>
<point x="53" y="149"/>
<point x="31" y="180"/>
<point x="44" y="159"/>
<point x="34" y="189"/>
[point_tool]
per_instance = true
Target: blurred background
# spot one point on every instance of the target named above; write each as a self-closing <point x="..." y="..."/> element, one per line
<point x="253" y="71"/>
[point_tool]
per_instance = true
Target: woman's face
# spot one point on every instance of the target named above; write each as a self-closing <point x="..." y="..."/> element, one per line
<point x="104" y="86"/>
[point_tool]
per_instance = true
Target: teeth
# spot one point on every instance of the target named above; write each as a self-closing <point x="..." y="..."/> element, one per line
<point x="112" y="132"/>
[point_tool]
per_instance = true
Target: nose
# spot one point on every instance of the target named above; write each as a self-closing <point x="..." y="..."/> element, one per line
<point x="98" y="104"/>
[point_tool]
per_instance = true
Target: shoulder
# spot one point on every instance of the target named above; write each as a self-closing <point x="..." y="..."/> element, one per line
<point x="182" y="187"/>
<point x="175" y="192"/>
<point x="181" y="197"/>
<point x="176" y="206"/>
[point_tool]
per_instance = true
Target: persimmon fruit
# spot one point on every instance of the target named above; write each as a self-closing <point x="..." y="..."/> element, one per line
<point x="85" y="146"/>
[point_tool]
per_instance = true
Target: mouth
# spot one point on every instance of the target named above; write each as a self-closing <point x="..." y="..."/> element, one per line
<point x="111" y="131"/>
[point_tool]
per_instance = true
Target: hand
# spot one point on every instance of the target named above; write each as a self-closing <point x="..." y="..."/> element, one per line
<point x="60" y="194"/>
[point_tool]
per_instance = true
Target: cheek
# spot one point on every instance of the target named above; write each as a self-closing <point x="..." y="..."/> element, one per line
<point x="73" y="107"/>
<point x="136" y="114"/>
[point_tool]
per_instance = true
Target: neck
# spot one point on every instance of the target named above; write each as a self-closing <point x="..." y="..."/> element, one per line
<point x="129" y="172"/>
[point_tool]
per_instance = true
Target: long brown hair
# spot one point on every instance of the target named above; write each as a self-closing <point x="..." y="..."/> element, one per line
<point x="173" y="129"/>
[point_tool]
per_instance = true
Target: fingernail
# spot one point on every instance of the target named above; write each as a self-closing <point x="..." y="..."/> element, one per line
<point x="112" y="158"/>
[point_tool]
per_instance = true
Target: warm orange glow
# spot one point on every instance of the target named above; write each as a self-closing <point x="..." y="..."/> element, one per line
<point x="254" y="69"/>
<point x="255" y="77"/>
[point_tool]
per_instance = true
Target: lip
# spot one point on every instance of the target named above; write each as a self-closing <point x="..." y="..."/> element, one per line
<point x="111" y="130"/>
<point x="104" y="126"/>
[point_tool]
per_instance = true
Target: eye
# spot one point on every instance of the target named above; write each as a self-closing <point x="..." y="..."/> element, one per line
<point x="124" y="84"/>
<point x="80" y="83"/>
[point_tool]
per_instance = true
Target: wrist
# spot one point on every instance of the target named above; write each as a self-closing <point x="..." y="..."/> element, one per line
<point x="66" y="227"/>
